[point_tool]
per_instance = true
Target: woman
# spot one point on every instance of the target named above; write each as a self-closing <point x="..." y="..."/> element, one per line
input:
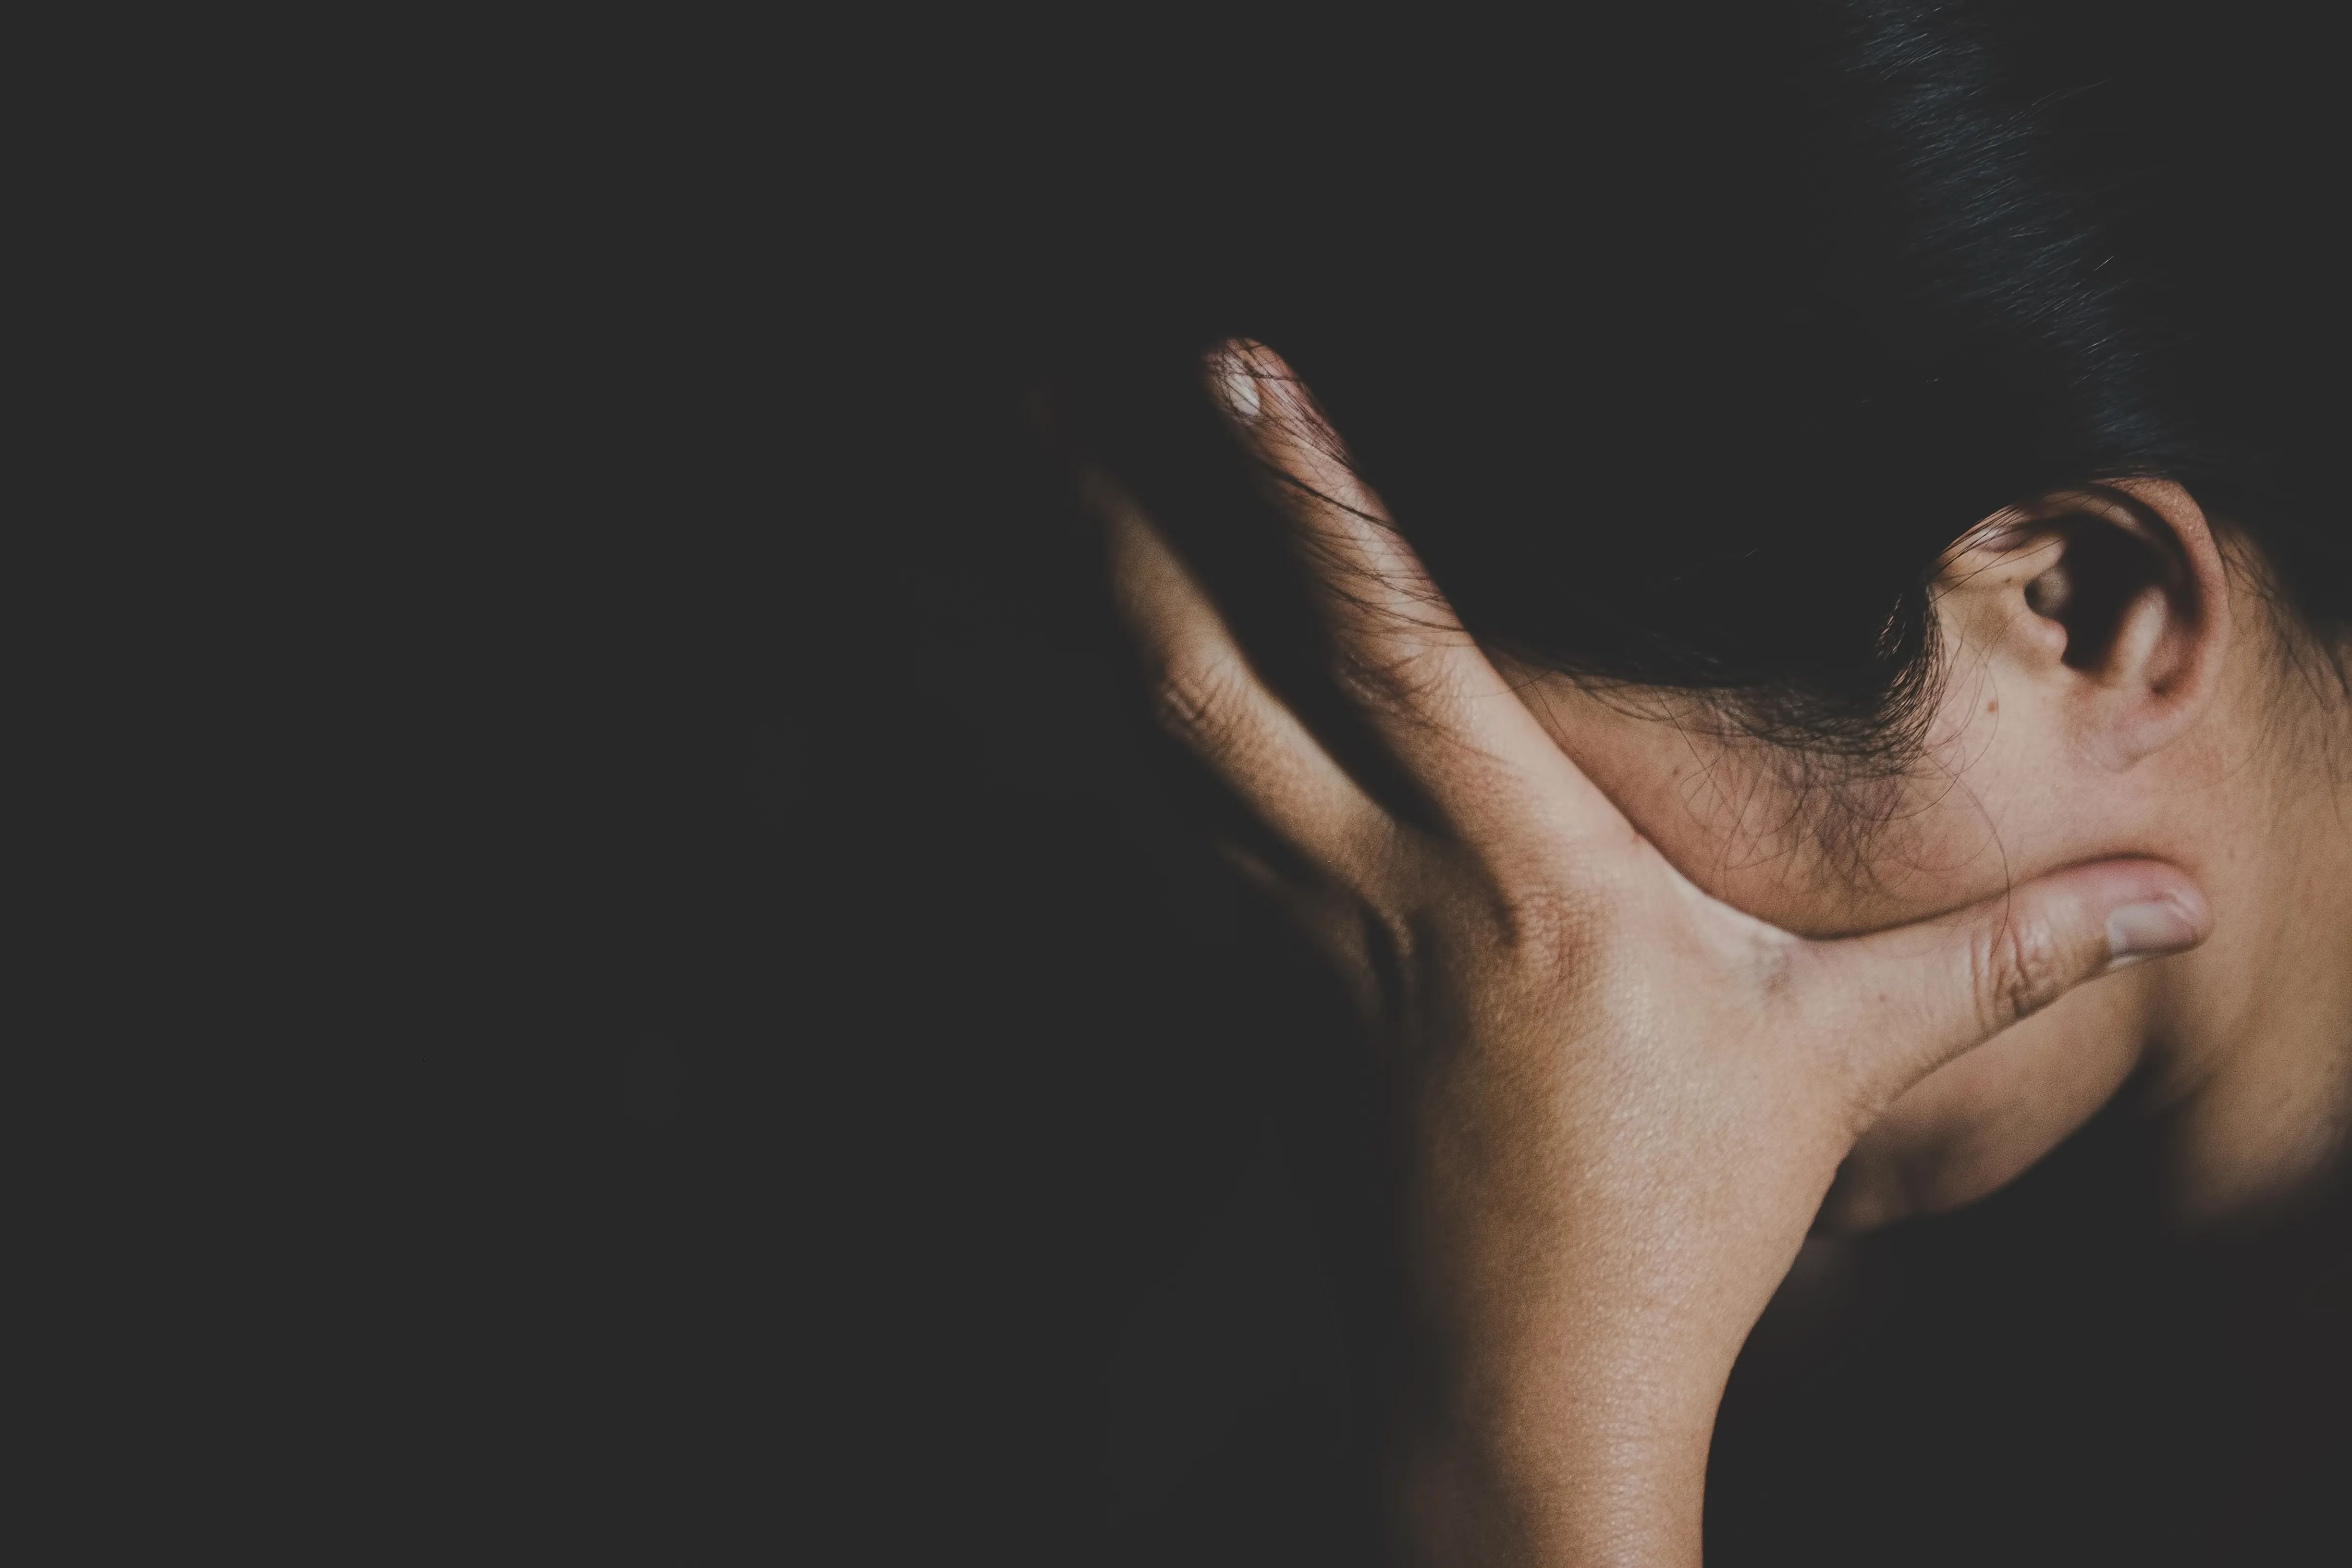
<point x="1805" y="655"/>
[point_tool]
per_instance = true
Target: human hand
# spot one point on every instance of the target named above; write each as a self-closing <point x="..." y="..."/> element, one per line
<point x="1625" y="1099"/>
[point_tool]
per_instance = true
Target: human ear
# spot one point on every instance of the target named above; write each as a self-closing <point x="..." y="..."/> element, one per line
<point x="2113" y="597"/>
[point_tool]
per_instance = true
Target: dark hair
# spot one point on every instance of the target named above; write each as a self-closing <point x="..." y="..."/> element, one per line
<point x="1683" y="345"/>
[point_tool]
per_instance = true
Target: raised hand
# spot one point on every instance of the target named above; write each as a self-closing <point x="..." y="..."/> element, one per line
<point x="1627" y="1098"/>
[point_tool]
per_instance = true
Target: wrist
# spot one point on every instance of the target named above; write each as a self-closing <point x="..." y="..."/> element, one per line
<point x="1596" y="1454"/>
<point x="1586" y="1495"/>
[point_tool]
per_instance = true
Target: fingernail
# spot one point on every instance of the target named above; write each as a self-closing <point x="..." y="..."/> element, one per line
<point x="1238" y="380"/>
<point x="2147" y="930"/>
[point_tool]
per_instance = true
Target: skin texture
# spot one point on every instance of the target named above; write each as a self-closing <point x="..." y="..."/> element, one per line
<point x="2179" y="732"/>
<point x="1638" y="1053"/>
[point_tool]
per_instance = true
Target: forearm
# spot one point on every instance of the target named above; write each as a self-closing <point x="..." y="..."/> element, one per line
<point x="1578" y="1313"/>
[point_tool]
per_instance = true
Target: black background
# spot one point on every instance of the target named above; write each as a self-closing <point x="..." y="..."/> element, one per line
<point x="647" y="1002"/>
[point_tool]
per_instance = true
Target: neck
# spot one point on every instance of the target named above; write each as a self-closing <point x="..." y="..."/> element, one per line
<point x="2252" y="1032"/>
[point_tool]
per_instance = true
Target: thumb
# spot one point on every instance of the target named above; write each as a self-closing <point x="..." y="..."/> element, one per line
<point x="1911" y="999"/>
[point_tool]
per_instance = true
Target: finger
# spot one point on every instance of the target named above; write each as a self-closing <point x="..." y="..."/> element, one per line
<point x="1387" y="618"/>
<point x="1205" y="694"/>
<point x="1902" y="1003"/>
<point x="1428" y="688"/>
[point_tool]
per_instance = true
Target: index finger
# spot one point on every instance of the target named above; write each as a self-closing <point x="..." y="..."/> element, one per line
<point x="1427" y="688"/>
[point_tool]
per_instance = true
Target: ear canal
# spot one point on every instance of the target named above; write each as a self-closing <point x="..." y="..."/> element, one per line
<point x="2112" y="592"/>
<point x="2047" y="594"/>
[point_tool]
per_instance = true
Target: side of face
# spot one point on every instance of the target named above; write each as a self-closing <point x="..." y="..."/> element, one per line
<point x="2084" y="646"/>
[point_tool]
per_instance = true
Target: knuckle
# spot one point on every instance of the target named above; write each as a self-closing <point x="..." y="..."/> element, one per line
<point x="2020" y="970"/>
<point x="1389" y="659"/>
<point x="1198" y="701"/>
<point x="1385" y="683"/>
<point x="1538" y="923"/>
<point x="1546" y="911"/>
